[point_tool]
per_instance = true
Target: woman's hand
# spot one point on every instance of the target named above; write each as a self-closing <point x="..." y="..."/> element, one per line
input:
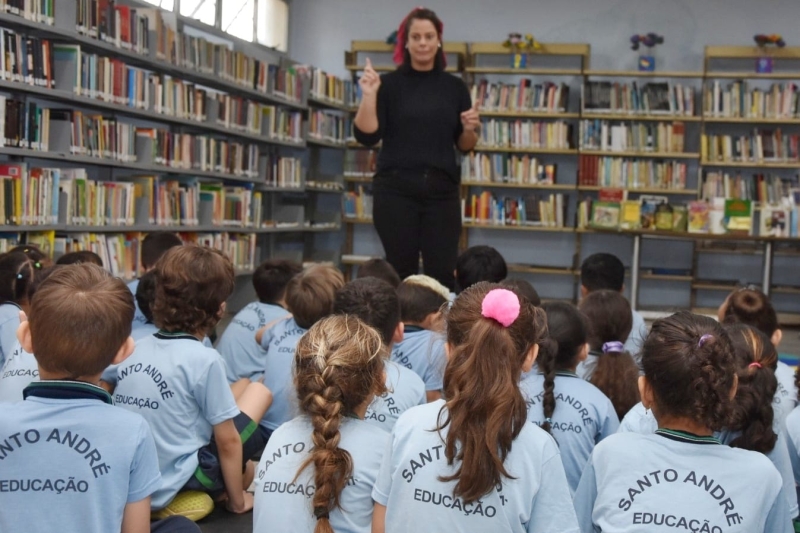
<point x="370" y="81"/>
<point x="471" y="120"/>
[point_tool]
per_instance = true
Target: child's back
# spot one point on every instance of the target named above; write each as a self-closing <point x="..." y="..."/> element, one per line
<point x="309" y="297"/>
<point x="19" y="370"/>
<point x="243" y="356"/>
<point x="179" y="387"/>
<point x="71" y="460"/>
<point x="682" y="476"/>
<point x="638" y="483"/>
<point x="422" y="351"/>
<point x="17" y="273"/>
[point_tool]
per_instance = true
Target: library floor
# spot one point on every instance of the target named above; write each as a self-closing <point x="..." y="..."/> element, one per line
<point x="222" y="521"/>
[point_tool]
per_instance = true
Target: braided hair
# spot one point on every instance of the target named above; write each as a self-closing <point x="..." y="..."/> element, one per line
<point x="338" y="367"/>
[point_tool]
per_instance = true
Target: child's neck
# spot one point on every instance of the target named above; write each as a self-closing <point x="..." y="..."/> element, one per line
<point x="682" y="423"/>
<point x="46" y="375"/>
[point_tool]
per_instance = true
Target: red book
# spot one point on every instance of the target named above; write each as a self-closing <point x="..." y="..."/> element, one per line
<point x="124" y="26"/>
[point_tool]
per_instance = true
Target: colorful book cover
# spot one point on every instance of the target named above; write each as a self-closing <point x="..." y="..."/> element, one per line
<point x="605" y="215"/>
<point x="698" y="217"/>
<point x="774" y="221"/>
<point x="631" y="212"/>
<point x="648" y="210"/>
<point x="739" y="216"/>
<point x="680" y="218"/>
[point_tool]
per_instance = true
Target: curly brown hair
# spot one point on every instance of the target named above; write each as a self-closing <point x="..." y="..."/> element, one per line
<point x="338" y="367"/>
<point x="689" y="363"/>
<point x="616" y="373"/>
<point x="192" y="283"/>
<point x="752" y="412"/>
<point x="485" y="409"/>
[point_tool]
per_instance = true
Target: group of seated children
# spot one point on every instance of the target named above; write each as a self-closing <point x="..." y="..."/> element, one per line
<point x="383" y="404"/>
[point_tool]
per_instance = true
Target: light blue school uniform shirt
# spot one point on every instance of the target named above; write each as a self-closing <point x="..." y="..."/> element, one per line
<point x="19" y="370"/>
<point x="786" y="394"/>
<point x="422" y="351"/>
<point x="138" y="317"/>
<point x="638" y="333"/>
<point x="238" y="347"/>
<point x="178" y="386"/>
<point x="536" y="500"/>
<point x="280" y="343"/>
<point x="140" y="331"/>
<point x="404" y="390"/>
<point x="673" y="481"/>
<point x="284" y="500"/>
<point x="71" y="461"/>
<point x="641" y="421"/>
<point x="9" y="322"/>
<point x="583" y="417"/>
<point x="793" y="444"/>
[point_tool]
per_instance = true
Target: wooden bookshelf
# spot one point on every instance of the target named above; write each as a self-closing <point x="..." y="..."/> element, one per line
<point x="510" y="150"/>
<point x="544" y="187"/>
<point x="631" y="117"/>
<point x="654" y="155"/>
<point x="529" y="114"/>
<point x="500" y="227"/>
<point x="643" y="190"/>
<point x="754" y="120"/>
<point x="751" y="164"/>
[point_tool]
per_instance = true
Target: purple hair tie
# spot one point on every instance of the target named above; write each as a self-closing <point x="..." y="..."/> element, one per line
<point x="703" y="339"/>
<point x="613" y="347"/>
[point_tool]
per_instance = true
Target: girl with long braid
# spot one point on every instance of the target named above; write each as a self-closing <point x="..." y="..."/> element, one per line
<point x="318" y="470"/>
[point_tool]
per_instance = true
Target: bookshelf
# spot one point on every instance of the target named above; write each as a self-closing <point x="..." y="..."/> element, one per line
<point x="144" y="122"/>
<point x="569" y="64"/>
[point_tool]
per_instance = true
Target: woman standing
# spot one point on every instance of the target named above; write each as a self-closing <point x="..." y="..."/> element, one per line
<point x="420" y="114"/>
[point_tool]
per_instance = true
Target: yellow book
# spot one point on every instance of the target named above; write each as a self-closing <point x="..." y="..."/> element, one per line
<point x="630" y="216"/>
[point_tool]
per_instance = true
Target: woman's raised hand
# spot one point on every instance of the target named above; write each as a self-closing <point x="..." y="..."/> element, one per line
<point x="370" y="81"/>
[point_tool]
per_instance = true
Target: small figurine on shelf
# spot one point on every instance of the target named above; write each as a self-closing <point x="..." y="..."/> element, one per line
<point x="647" y="63"/>
<point x="764" y="64"/>
<point x="517" y="44"/>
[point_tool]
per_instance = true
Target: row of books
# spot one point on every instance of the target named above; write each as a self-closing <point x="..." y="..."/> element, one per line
<point x="528" y="210"/>
<point x="662" y="137"/>
<point x="524" y="96"/>
<point x="120" y="253"/>
<point x="739" y="100"/>
<point x="134" y="28"/>
<point x="524" y="134"/>
<point x="330" y="88"/>
<point x="240" y="248"/>
<point x="284" y="172"/>
<point x="26" y="59"/>
<point x="758" y="146"/>
<point x="597" y="171"/>
<point x="121" y="25"/>
<point x="718" y="216"/>
<point x="360" y="163"/>
<point x="327" y="126"/>
<point x="630" y="98"/>
<point x="357" y="204"/>
<point x="25" y="124"/>
<point x="39" y="11"/>
<point x="500" y="168"/>
<point x="760" y="188"/>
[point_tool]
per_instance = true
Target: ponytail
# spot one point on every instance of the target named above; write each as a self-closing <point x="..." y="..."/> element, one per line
<point x="548" y="350"/>
<point x="752" y="411"/>
<point x="567" y="334"/>
<point x="616" y="373"/>
<point x="17" y="273"/>
<point x="338" y="367"/>
<point x="485" y="410"/>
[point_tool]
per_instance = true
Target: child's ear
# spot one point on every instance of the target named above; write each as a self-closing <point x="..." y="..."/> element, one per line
<point x="533" y="353"/>
<point x="124" y="351"/>
<point x="776" y="338"/>
<point x="584" y="292"/>
<point x="584" y="353"/>
<point x="24" y="334"/>
<point x="646" y="392"/>
<point x="221" y="311"/>
<point x="397" y="336"/>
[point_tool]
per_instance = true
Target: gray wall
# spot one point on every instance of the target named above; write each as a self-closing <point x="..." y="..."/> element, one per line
<point x="320" y="30"/>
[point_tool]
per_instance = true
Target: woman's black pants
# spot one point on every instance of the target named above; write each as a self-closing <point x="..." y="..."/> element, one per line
<point x="418" y="212"/>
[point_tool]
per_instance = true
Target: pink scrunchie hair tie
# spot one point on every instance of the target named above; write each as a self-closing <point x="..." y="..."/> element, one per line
<point x="501" y="305"/>
<point x="757" y="365"/>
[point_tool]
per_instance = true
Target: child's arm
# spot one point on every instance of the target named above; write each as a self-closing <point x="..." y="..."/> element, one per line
<point x="136" y="517"/>
<point x="433" y="395"/>
<point x="378" y="518"/>
<point x="229" y="444"/>
<point x="261" y="331"/>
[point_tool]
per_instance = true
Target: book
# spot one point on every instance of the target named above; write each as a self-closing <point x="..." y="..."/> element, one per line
<point x="594" y="171"/>
<point x="615" y="136"/>
<point x="648" y="210"/>
<point x="698" y="217"/>
<point x="680" y="218"/>
<point x="499" y="133"/>
<point x="739" y="217"/>
<point x="605" y="215"/>
<point x="774" y="221"/>
<point x="630" y="215"/>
